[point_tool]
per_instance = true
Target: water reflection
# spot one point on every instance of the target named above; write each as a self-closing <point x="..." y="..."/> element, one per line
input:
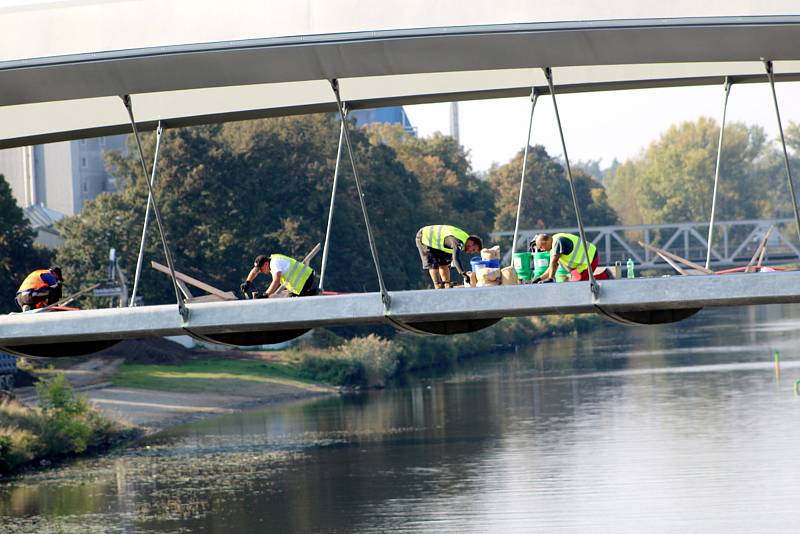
<point x="675" y="428"/>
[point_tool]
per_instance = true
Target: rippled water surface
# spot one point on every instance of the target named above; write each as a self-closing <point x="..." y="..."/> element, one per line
<point x="684" y="428"/>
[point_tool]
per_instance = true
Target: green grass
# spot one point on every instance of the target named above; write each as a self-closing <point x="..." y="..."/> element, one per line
<point x="227" y="377"/>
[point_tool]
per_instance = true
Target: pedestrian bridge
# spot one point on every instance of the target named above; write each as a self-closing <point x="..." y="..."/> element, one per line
<point x="734" y="245"/>
<point x="458" y="310"/>
<point x="188" y="62"/>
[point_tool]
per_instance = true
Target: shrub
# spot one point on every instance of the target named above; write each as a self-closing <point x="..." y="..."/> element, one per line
<point x="380" y="357"/>
<point x="332" y="370"/>
<point x="17" y="447"/>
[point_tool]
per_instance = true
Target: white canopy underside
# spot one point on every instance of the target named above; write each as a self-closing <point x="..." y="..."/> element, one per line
<point x="73" y="92"/>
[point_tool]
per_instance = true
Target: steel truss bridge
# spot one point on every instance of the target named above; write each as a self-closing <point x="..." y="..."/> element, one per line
<point x="734" y="242"/>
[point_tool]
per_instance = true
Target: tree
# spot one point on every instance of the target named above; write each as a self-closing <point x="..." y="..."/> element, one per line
<point x="672" y="180"/>
<point x="547" y="200"/>
<point x="229" y="192"/>
<point x="18" y="256"/>
<point x="450" y="191"/>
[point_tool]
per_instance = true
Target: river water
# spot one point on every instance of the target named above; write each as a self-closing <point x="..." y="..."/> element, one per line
<point x="681" y="428"/>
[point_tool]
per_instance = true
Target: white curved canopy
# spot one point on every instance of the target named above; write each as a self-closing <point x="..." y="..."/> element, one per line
<point x="63" y="64"/>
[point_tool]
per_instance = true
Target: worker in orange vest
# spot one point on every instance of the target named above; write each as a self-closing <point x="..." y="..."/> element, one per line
<point x="41" y="288"/>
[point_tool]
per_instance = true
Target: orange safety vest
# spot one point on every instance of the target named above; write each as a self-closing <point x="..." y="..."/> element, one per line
<point x="33" y="282"/>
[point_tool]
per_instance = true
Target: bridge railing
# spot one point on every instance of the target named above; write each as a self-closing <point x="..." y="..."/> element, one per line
<point x="735" y="242"/>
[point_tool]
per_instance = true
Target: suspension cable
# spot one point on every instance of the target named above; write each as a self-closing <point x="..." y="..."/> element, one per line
<point x="593" y="286"/>
<point x="333" y="200"/>
<point x="534" y="96"/>
<point x="716" y="172"/>
<point x="140" y="259"/>
<point x="770" y="76"/>
<point x="126" y="100"/>
<point x="373" y="250"/>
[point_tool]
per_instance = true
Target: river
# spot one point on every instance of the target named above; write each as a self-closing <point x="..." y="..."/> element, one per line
<point x="680" y="428"/>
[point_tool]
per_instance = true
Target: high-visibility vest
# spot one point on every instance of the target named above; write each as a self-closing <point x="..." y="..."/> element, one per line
<point x="33" y="282"/>
<point x="576" y="260"/>
<point x="297" y="275"/>
<point x="433" y="236"/>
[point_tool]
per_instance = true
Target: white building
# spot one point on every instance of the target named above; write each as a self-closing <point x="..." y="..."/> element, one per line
<point x="60" y="176"/>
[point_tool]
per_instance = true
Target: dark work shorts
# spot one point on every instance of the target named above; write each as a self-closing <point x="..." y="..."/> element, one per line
<point x="431" y="257"/>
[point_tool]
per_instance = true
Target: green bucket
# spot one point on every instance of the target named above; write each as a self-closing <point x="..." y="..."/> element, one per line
<point x="541" y="261"/>
<point x="522" y="264"/>
<point x="562" y="275"/>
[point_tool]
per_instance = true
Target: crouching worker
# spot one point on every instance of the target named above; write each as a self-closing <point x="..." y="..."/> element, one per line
<point x="567" y="250"/>
<point x="442" y="245"/>
<point x="40" y="289"/>
<point x="298" y="278"/>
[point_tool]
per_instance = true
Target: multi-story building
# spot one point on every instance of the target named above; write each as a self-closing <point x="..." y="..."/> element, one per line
<point x="60" y="176"/>
<point x="392" y="115"/>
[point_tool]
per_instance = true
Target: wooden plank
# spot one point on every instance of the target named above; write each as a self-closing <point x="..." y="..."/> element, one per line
<point x="672" y="264"/>
<point x="677" y="258"/>
<point x="205" y="298"/>
<point x="224" y="295"/>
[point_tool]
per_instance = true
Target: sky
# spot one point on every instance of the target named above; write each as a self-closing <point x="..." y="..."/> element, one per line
<point x="608" y="125"/>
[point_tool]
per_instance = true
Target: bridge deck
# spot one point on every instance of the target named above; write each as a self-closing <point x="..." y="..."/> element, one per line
<point x="406" y="306"/>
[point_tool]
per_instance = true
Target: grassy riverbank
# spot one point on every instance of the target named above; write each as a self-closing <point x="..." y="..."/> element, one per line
<point x="372" y="361"/>
<point x="325" y="358"/>
<point x="63" y="425"/>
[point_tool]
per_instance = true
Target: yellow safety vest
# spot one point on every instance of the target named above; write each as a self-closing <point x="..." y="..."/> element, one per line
<point x="576" y="260"/>
<point x="433" y="236"/>
<point x="297" y="275"/>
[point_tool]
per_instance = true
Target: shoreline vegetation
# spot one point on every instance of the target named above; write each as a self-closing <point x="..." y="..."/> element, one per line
<point x="66" y="425"/>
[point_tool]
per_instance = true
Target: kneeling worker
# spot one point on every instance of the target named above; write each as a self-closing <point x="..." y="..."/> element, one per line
<point x="40" y="289"/>
<point x="439" y="245"/>
<point x="567" y="249"/>
<point x="298" y="277"/>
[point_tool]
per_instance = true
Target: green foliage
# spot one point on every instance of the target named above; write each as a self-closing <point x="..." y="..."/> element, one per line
<point x="547" y="200"/>
<point x="451" y="192"/>
<point x="18" y="256"/>
<point x="672" y="180"/>
<point x="228" y="193"/>
<point x="63" y="424"/>
<point x="68" y="424"/>
<point x="335" y="371"/>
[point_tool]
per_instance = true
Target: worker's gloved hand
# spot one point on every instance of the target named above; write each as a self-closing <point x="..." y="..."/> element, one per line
<point x="245" y="287"/>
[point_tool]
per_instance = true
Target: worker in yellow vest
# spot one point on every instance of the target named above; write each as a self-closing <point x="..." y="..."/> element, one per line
<point x="40" y="289"/>
<point x="297" y="277"/>
<point x="439" y="245"/>
<point x="568" y="251"/>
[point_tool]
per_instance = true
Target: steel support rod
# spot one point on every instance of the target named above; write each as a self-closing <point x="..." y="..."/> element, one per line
<point x="126" y="100"/>
<point x="593" y="286"/>
<point x="771" y="77"/>
<point x="373" y="249"/>
<point x="140" y="259"/>
<point x="333" y="201"/>
<point x="716" y="172"/>
<point x="534" y="96"/>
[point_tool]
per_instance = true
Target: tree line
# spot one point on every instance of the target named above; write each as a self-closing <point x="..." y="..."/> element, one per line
<point x="231" y="191"/>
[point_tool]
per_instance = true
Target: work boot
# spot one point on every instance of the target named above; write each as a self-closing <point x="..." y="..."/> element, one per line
<point x="25" y="308"/>
<point x="437" y="285"/>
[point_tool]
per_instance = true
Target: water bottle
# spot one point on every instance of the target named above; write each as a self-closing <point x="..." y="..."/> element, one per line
<point x="630" y="268"/>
